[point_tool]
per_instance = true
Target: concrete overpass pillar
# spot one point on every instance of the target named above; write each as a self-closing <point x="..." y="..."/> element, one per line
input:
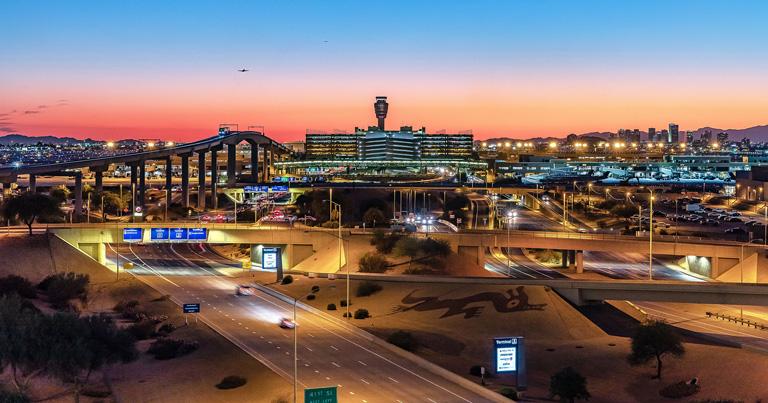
<point x="564" y="259"/>
<point x="98" y="174"/>
<point x="78" y="195"/>
<point x="231" y="164"/>
<point x="201" y="181"/>
<point x="32" y="183"/>
<point x="168" y="174"/>
<point x="134" y="176"/>
<point x="265" y="166"/>
<point x="142" y="182"/>
<point x="214" y="179"/>
<point x="255" y="162"/>
<point x="579" y="261"/>
<point x="184" y="180"/>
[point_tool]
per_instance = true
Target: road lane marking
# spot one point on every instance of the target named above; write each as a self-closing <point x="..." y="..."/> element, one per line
<point x="364" y="364"/>
<point x="431" y="400"/>
<point x="393" y="380"/>
<point x="308" y="348"/>
<point x="334" y="347"/>
<point x="365" y="382"/>
<point x="335" y="364"/>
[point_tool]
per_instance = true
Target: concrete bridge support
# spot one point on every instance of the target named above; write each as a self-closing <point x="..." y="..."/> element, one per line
<point x="231" y="164"/>
<point x="579" y="261"/>
<point x="78" y="195"/>
<point x="168" y="176"/>
<point x="214" y="178"/>
<point x="201" y="181"/>
<point x="98" y="175"/>
<point x="142" y="182"/>
<point x="184" y="179"/>
<point x="32" y="183"/>
<point x="254" y="161"/>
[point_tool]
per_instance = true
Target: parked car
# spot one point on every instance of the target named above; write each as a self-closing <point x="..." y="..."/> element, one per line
<point x="736" y="231"/>
<point x="735" y="219"/>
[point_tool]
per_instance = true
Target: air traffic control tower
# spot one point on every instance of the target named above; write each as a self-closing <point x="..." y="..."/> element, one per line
<point x="380" y="107"/>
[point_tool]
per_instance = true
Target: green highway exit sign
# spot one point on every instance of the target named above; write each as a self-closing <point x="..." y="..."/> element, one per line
<point x="321" y="395"/>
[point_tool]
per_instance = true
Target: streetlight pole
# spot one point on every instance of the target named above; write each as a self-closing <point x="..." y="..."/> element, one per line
<point x="509" y="262"/>
<point x="338" y="208"/>
<point x="650" y="236"/>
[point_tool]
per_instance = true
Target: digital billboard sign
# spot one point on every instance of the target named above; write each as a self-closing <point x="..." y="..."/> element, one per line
<point x="506" y="354"/>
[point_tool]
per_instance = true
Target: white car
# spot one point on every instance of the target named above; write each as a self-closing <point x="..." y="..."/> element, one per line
<point x="243" y="290"/>
<point x="286" y="323"/>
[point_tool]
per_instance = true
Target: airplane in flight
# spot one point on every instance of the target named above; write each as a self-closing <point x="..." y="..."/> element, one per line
<point x="242" y="70"/>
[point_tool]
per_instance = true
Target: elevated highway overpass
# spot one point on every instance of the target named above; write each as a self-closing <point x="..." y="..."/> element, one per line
<point x="270" y="150"/>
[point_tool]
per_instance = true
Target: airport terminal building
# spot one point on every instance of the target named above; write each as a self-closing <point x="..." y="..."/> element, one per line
<point x="375" y="150"/>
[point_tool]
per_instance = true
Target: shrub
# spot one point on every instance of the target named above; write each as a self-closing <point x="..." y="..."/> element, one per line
<point x="343" y="303"/>
<point x="62" y="287"/>
<point x="679" y="390"/>
<point x="17" y="284"/>
<point x="315" y="288"/>
<point x="13" y="397"/>
<point x="508" y="393"/>
<point x="287" y="280"/>
<point x="142" y="330"/>
<point x="437" y="247"/>
<point x="367" y="288"/>
<point x="404" y="340"/>
<point x="231" y="382"/>
<point x="373" y="263"/>
<point x="311" y="297"/>
<point x="384" y="242"/>
<point x="166" y="349"/>
<point x="331" y="307"/>
<point x="166" y="329"/>
<point x="123" y="306"/>
<point x="362" y="314"/>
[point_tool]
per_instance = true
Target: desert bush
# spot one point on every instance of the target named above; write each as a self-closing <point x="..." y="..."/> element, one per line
<point x="166" y="329"/>
<point x="508" y="393"/>
<point x="362" y="314"/>
<point x="404" y="340"/>
<point x="315" y="288"/>
<point x="231" y="382"/>
<point x="384" y="242"/>
<point x="343" y="303"/>
<point x="367" y="288"/>
<point x="331" y="307"/>
<point x="13" y="397"/>
<point x="123" y="306"/>
<point x="17" y="284"/>
<point x="62" y="287"/>
<point x="166" y="349"/>
<point x="311" y="297"/>
<point x="373" y="263"/>
<point x="287" y="280"/>
<point x="679" y="390"/>
<point x="142" y="330"/>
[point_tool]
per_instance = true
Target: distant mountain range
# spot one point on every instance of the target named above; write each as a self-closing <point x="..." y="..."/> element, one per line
<point x="32" y="140"/>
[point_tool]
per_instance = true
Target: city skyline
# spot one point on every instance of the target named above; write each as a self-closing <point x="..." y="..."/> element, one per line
<point x="502" y="70"/>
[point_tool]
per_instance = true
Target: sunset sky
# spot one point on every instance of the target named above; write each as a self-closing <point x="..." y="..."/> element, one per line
<point x="163" y="69"/>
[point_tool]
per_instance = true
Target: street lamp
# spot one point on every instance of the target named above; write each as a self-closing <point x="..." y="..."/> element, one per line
<point x="338" y="208"/>
<point x="510" y="215"/>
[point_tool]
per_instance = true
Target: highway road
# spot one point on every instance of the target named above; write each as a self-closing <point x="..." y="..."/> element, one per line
<point x="631" y="266"/>
<point x="328" y="354"/>
<point x="511" y="262"/>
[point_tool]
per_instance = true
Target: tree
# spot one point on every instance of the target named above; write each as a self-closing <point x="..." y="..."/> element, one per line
<point x="624" y="211"/>
<point x="60" y="194"/>
<point x="112" y="203"/>
<point x="17" y="341"/>
<point x="28" y="206"/>
<point x="373" y="216"/>
<point x="655" y="339"/>
<point x="568" y="385"/>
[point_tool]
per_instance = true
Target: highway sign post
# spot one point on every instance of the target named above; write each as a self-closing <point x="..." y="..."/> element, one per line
<point x="190" y="308"/>
<point x="321" y="395"/>
<point x="509" y="358"/>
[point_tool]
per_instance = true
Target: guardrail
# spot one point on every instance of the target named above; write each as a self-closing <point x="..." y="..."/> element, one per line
<point x="731" y="318"/>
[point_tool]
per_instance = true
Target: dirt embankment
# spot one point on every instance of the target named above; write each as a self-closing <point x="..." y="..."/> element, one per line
<point x="455" y="325"/>
<point x="190" y="378"/>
